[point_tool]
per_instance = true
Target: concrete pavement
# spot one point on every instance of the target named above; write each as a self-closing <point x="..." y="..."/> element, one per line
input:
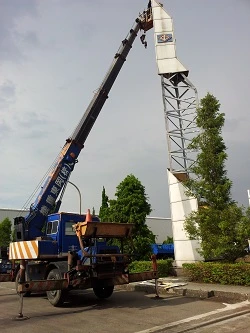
<point x="182" y="287"/>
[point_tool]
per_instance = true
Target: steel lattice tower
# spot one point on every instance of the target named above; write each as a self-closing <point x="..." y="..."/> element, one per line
<point x="180" y="100"/>
<point x="180" y="103"/>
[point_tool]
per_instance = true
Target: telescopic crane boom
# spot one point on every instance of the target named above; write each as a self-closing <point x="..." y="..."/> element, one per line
<point x="49" y="199"/>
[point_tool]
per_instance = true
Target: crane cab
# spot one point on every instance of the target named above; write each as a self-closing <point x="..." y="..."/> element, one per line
<point x="59" y="229"/>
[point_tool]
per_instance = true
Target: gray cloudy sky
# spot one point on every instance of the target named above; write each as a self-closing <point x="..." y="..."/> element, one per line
<point x="54" y="55"/>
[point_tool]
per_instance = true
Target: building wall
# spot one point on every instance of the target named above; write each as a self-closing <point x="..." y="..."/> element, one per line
<point x="11" y="214"/>
<point x="161" y="228"/>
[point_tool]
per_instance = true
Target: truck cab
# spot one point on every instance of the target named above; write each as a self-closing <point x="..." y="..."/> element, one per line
<point x="59" y="230"/>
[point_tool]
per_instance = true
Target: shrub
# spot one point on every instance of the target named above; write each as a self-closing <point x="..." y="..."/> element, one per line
<point x="223" y="273"/>
<point x="164" y="267"/>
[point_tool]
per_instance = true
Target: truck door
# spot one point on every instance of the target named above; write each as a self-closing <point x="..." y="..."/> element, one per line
<point x="69" y="240"/>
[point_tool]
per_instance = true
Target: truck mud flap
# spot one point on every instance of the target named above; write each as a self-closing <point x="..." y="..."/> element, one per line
<point x="42" y="285"/>
<point x="143" y="276"/>
<point x="5" y="278"/>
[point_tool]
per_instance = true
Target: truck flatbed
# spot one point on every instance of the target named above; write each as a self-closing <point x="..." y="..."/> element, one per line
<point x="105" y="229"/>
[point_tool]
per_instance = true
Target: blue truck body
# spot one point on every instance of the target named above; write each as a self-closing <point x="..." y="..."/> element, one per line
<point x="163" y="250"/>
<point x="59" y="229"/>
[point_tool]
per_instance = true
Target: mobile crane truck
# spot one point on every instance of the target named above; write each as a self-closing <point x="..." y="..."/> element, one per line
<point x="72" y="252"/>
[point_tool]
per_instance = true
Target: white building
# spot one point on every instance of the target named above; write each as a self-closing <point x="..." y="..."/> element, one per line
<point x="11" y="213"/>
<point x="161" y="228"/>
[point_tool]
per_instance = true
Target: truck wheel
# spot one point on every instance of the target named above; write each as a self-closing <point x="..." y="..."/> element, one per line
<point x="56" y="297"/>
<point x="28" y="293"/>
<point x="103" y="292"/>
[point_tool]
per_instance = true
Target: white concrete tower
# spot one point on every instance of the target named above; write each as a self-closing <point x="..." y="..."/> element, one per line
<point x="180" y="102"/>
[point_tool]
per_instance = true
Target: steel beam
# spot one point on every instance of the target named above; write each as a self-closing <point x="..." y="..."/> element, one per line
<point x="42" y="285"/>
<point x="180" y="101"/>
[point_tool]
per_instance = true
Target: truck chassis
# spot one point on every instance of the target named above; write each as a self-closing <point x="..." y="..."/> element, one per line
<point x="100" y="268"/>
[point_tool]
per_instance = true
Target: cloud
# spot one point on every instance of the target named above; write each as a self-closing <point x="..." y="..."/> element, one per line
<point x="35" y="130"/>
<point x="8" y="89"/>
<point x="7" y="95"/>
<point x="4" y="128"/>
<point x="31" y="119"/>
<point x="30" y="38"/>
<point x="10" y="12"/>
<point x="238" y="170"/>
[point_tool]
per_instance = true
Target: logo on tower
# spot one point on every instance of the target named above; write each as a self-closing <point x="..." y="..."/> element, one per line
<point x="164" y="38"/>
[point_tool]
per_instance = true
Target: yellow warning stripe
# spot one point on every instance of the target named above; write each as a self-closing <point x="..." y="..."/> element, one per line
<point x="24" y="250"/>
<point x="20" y="250"/>
<point x="35" y="247"/>
<point x="29" y="255"/>
<point x="14" y="251"/>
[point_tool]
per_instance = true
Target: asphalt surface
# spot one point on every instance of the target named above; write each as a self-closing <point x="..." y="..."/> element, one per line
<point x="180" y="307"/>
<point x="124" y="312"/>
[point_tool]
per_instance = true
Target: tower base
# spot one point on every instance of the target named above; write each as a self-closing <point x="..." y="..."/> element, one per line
<point x="181" y="206"/>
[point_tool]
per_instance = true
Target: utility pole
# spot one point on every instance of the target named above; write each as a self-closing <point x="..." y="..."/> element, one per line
<point x="80" y="197"/>
<point x="248" y="194"/>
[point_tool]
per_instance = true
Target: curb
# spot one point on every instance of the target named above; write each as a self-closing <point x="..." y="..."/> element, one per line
<point x="224" y="296"/>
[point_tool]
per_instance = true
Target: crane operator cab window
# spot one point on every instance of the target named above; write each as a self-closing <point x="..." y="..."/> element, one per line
<point x="52" y="228"/>
<point x="69" y="231"/>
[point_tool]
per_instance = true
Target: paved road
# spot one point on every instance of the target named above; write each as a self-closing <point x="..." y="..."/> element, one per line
<point x="124" y="312"/>
<point x="239" y="324"/>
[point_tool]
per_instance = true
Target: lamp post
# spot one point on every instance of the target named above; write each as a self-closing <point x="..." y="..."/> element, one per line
<point x="80" y="196"/>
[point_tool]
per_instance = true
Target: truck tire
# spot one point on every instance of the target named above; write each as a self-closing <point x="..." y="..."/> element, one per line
<point x="103" y="292"/>
<point x="27" y="293"/>
<point x="56" y="297"/>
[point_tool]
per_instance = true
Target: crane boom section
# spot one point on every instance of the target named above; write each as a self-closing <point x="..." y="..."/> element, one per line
<point x="84" y="127"/>
<point x="31" y="226"/>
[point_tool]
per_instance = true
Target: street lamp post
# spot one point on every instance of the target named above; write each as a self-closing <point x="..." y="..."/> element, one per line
<point x="80" y="196"/>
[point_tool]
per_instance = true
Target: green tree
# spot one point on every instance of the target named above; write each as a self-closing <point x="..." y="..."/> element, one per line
<point x="104" y="209"/>
<point x="169" y="240"/>
<point x="212" y="185"/>
<point x="5" y="232"/>
<point x="131" y="206"/>
<point x="219" y="223"/>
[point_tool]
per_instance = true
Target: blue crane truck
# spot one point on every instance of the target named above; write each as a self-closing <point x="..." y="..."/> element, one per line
<point x="59" y="252"/>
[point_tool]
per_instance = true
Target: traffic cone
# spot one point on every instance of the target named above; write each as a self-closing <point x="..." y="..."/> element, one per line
<point x="88" y="217"/>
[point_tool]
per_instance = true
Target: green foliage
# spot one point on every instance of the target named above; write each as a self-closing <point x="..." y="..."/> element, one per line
<point x="130" y="206"/>
<point x="224" y="232"/>
<point x="142" y="244"/>
<point x="13" y="236"/>
<point x="223" y="273"/>
<point x="5" y="232"/>
<point x="164" y="267"/>
<point x="169" y="240"/>
<point x="104" y="209"/>
<point x="219" y="224"/>
<point x="211" y="185"/>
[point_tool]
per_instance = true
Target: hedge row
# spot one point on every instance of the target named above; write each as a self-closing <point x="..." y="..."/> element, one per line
<point x="207" y="272"/>
<point x="164" y="267"/>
